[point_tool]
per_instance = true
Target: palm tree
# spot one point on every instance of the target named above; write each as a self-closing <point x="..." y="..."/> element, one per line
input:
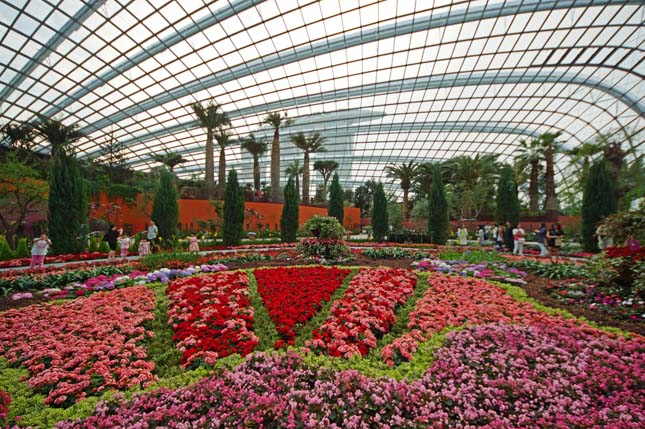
<point x="422" y="182"/>
<point x="211" y="118"/>
<point x="169" y="159"/>
<point x="325" y="168"/>
<point x="550" y="147"/>
<point x="405" y="174"/>
<point x="256" y="148"/>
<point x="277" y="121"/>
<point x="294" y="170"/>
<point x="531" y="153"/>
<point x="308" y="145"/>
<point x="224" y="140"/>
<point x="580" y="158"/>
<point x="58" y="135"/>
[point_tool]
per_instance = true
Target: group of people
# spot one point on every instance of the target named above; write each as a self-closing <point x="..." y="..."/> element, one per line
<point x="513" y="238"/>
<point x="116" y="235"/>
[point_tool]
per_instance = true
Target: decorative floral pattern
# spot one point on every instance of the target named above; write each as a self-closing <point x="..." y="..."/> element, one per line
<point x="293" y="295"/>
<point x="211" y="316"/>
<point x="82" y="347"/>
<point x="366" y="310"/>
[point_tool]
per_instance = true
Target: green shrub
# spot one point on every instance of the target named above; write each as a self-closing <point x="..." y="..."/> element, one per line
<point x="508" y="206"/>
<point x="104" y="247"/>
<point x="5" y="250"/>
<point x="233" y="227"/>
<point x="324" y="227"/>
<point x="163" y="260"/>
<point x="438" y="221"/>
<point x="379" y="214"/>
<point x="22" y="250"/>
<point x="94" y="244"/>
<point x="290" y="213"/>
<point x="165" y="209"/>
<point x="598" y="201"/>
<point x="335" y="207"/>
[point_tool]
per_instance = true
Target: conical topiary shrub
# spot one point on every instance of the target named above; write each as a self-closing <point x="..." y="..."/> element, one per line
<point x="5" y="250"/>
<point x="22" y="250"/>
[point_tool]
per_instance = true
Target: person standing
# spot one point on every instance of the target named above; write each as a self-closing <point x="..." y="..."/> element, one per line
<point x="39" y="250"/>
<point x="499" y="237"/>
<point x="153" y="231"/>
<point x="111" y="237"/>
<point x="481" y="234"/>
<point x="193" y="245"/>
<point x="518" y="240"/>
<point x="554" y="240"/>
<point x="462" y="235"/>
<point x="124" y="243"/>
<point x="541" y="238"/>
<point x="508" y="236"/>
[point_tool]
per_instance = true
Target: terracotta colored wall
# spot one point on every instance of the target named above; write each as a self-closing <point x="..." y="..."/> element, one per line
<point x="191" y="212"/>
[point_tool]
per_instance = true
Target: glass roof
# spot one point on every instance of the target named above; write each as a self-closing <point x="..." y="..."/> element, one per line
<point x="384" y="81"/>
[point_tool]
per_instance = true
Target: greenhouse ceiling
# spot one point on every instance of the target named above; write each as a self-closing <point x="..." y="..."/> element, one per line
<point x="384" y="82"/>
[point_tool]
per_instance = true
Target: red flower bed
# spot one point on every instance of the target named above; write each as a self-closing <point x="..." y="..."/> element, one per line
<point x="82" y="347"/>
<point x="53" y="259"/>
<point x="212" y="316"/>
<point x="366" y="310"/>
<point x="294" y="295"/>
<point x="625" y="252"/>
<point x="455" y="301"/>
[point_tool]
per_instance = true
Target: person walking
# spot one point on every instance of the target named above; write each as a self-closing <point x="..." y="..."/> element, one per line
<point x="554" y="240"/>
<point x="508" y="236"/>
<point x="153" y="231"/>
<point x="39" y="251"/>
<point x="462" y="235"/>
<point x="481" y="235"/>
<point x="111" y="237"/>
<point x="518" y="240"/>
<point x="124" y="244"/>
<point x="541" y="239"/>
<point x="499" y="237"/>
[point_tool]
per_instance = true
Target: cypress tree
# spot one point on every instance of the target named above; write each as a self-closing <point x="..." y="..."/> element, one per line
<point x="22" y="250"/>
<point x="336" y="197"/>
<point x="290" y="213"/>
<point x="438" y="209"/>
<point x="233" y="226"/>
<point x="598" y="201"/>
<point x="508" y="206"/>
<point x="379" y="213"/>
<point x="165" y="209"/>
<point x="67" y="204"/>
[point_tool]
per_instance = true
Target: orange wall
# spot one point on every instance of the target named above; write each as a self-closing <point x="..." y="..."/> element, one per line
<point x="119" y="212"/>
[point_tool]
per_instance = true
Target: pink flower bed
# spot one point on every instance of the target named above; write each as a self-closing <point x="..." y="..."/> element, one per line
<point x="366" y="310"/>
<point x="454" y="301"/>
<point x="212" y="316"/>
<point x="82" y="347"/>
<point x="491" y="376"/>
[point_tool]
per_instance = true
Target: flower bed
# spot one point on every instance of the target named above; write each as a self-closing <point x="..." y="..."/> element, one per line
<point x="82" y="347"/>
<point x="293" y="295"/>
<point x="211" y="316"/>
<point x="494" y="376"/>
<point x="54" y="259"/>
<point x="486" y="270"/>
<point x="365" y="311"/>
<point x="455" y="301"/>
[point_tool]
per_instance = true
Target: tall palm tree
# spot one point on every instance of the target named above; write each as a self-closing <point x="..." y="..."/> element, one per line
<point x="256" y="148"/>
<point x="294" y="170"/>
<point x="211" y="118"/>
<point x="308" y="145"/>
<point x="277" y="121"/>
<point x="224" y="140"/>
<point x="531" y="153"/>
<point x="58" y="134"/>
<point x="169" y="159"/>
<point x="580" y="158"/>
<point x="325" y="168"/>
<point x="405" y="174"/>
<point x="422" y="183"/>
<point x="550" y="147"/>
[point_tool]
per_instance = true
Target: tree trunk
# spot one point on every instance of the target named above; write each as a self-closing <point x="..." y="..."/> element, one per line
<point x="325" y="180"/>
<point x="406" y="208"/>
<point x="221" y="173"/>
<point x="550" y="202"/>
<point x="276" y="195"/>
<point x="256" y="173"/>
<point x="210" y="165"/>
<point x="305" y="178"/>
<point x="534" y="192"/>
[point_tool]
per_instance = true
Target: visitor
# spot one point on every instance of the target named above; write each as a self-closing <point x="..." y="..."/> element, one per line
<point x="499" y="237"/>
<point x="481" y="234"/>
<point x="153" y="231"/>
<point x="554" y="240"/>
<point x="39" y="250"/>
<point x="632" y="243"/>
<point x="144" y="247"/>
<point x="518" y="240"/>
<point x="604" y="240"/>
<point x="193" y="245"/>
<point x="541" y="239"/>
<point x="124" y="243"/>
<point x="111" y="237"/>
<point x="508" y="236"/>
<point x="462" y="235"/>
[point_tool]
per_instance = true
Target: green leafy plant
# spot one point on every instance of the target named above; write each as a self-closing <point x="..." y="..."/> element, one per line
<point x="5" y="250"/>
<point x="233" y="211"/>
<point x="290" y="213"/>
<point x="438" y="209"/>
<point x="22" y="250"/>
<point x="379" y="213"/>
<point x="598" y="201"/>
<point x="165" y="209"/>
<point x="335" y="207"/>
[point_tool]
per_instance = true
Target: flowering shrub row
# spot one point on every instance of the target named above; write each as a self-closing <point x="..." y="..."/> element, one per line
<point x="211" y="316"/>
<point x="455" y="301"/>
<point x="493" y="376"/>
<point x="366" y="310"/>
<point x="293" y="295"/>
<point x="82" y="347"/>
<point x="486" y="270"/>
<point x="54" y="259"/>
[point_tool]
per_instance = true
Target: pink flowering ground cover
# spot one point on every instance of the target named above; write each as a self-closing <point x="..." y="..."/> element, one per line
<point x="83" y="347"/>
<point x="455" y="301"/>
<point x="488" y="376"/>
<point x="366" y="310"/>
<point x="211" y="316"/>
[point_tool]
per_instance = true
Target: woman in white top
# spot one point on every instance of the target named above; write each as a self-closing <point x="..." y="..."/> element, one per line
<point x="462" y="235"/>
<point x="518" y="240"/>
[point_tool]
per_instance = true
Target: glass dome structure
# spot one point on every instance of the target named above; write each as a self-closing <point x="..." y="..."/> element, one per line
<point x="383" y="81"/>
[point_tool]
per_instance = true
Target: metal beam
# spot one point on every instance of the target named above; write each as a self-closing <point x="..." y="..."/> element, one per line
<point x="358" y="38"/>
<point x="185" y="32"/>
<point x="85" y="11"/>
<point x="330" y="131"/>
